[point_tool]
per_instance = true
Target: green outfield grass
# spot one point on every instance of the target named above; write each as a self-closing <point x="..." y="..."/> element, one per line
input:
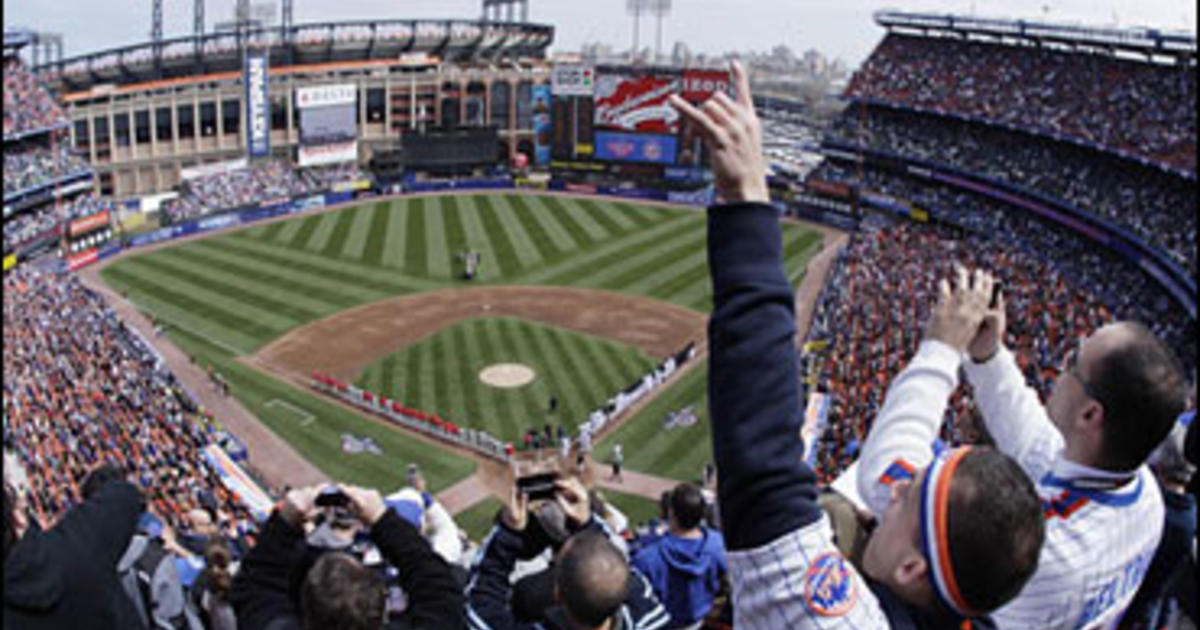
<point x="440" y="374"/>
<point x="636" y="508"/>
<point x="229" y="295"/>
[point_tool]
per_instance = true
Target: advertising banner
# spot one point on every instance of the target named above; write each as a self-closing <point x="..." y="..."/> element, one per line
<point x="238" y="482"/>
<point x="317" y="155"/>
<point x="699" y="85"/>
<point x="10" y="261"/>
<point x="215" y="168"/>
<point x="322" y="95"/>
<point x="358" y="184"/>
<point x="88" y="223"/>
<point x="216" y="223"/>
<point x="542" y="127"/>
<point x="82" y="259"/>
<point x="258" y="105"/>
<point x="632" y="147"/>
<point x="572" y="80"/>
<point x="308" y="203"/>
<point x="701" y="197"/>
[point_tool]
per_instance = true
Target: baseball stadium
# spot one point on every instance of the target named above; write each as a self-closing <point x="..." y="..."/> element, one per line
<point x="434" y="261"/>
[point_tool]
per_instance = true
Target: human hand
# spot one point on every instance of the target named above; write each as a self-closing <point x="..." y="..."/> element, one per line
<point x="300" y="504"/>
<point x="516" y="513"/>
<point x="960" y="310"/>
<point x="366" y="504"/>
<point x="990" y="334"/>
<point x="733" y="134"/>
<point x="573" y="498"/>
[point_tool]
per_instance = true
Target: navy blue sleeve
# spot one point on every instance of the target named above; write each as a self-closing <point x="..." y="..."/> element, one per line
<point x="765" y="489"/>
<point x="488" y="590"/>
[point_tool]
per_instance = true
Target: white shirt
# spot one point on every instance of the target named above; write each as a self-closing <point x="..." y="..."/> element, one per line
<point x="1099" y="542"/>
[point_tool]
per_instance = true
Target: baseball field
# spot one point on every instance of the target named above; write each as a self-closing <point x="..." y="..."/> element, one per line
<point x="588" y="294"/>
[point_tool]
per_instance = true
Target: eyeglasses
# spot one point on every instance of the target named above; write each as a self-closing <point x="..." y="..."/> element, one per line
<point x="1071" y="366"/>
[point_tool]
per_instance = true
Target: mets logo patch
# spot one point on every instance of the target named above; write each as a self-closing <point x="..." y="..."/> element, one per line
<point x="829" y="588"/>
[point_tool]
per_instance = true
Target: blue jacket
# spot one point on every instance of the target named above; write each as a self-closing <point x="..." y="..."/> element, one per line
<point x="685" y="573"/>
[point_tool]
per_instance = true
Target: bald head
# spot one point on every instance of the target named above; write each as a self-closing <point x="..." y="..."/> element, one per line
<point x="591" y="579"/>
<point x="200" y="522"/>
<point x="1140" y="383"/>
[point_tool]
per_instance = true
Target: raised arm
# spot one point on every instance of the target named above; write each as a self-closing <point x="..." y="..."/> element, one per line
<point x="901" y="439"/>
<point x="754" y="382"/>
<point x="1010" y="408"/>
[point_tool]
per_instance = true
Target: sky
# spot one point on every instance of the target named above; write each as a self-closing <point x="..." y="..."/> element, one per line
<point x="842" y="29"/>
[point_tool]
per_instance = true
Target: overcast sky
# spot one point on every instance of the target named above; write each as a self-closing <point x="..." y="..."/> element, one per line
<point x="842" y="28"/>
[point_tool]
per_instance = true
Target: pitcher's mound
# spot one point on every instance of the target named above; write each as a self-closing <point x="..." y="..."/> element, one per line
<point x="507" y="375"/>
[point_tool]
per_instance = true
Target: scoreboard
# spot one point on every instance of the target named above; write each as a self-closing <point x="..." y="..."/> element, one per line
<point x="616" y="119"/>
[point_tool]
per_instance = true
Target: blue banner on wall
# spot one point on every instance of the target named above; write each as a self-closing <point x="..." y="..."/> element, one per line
<point x="635" y="147"/>
<point x="258" y="105"/>
<point x="542" y="126"/>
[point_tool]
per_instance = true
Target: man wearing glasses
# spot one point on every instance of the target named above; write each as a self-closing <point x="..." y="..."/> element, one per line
<point x="1115" y="400"/>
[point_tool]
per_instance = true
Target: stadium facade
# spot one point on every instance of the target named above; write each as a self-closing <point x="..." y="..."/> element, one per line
<point x="140" y="114"/>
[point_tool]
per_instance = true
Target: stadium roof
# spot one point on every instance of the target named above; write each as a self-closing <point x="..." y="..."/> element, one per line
<point x="17" y="39"/>
<point x="302" y="44"/>
<point x="1147" y="41"/>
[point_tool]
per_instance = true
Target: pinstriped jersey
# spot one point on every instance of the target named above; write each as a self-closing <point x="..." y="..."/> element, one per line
<point x="1102" y="529"/>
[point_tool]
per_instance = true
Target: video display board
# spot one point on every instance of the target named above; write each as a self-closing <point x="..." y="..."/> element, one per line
<point x="617" y="119"/>
<point x="328" y="128"/>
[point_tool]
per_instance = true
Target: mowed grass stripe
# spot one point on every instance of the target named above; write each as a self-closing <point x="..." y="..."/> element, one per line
<point x="616" y="274"/>
<point x="610" y="253"/>
<point x="224" y="269"/>
<point x="345" y="270"/>
<point x="454" y="235"/>
<point x="523" y="244"/>
<point x="325" y="227"/>
<point x="507" y="258"/>
<point x="394" y="245"/>
<point x="611" y="373"/>
<point x="269" y="232"/>
<point x="275" y="313"/>
<point x="333" y="289"/>
<point x="557" y="381"/>
<point x="469" y="411"/>
<point x="684" y="258"/>
<point x="639" y="214"/>
<point x="582" y="225"/>
<point x="537" y="230"/>
<point x="376" y="242"/>
<point x="437" y="252"/>
<point x="356" y="241"/>
<point x="478" y="239"/>
<point x="234" y="321"/>
<point x="441" y="386"/>
<point x="414" y="243"/>
<point x="341" y="231"/>
<point x="575" y="363"/>
<point x="298" y="238"/>
<point x="554" y="224"/>
<point x="344" y="280"/>
<point x="176" y="314"/>
<point x="615" y="220"/>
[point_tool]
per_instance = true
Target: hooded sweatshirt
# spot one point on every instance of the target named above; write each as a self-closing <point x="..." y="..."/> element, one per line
<point x="685" y="573"/>
<point x="66" y="576"/>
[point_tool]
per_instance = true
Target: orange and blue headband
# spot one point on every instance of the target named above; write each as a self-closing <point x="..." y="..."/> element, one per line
<point x="935" y="529"/>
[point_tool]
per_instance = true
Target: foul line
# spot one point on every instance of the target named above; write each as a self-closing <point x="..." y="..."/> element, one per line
<point x="306" y="417"/>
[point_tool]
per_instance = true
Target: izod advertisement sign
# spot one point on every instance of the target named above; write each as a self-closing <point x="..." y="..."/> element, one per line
<point x="89" y="223"/>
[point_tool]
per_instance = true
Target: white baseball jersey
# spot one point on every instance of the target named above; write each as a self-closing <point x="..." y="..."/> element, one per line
<point x="1102" y="529"/>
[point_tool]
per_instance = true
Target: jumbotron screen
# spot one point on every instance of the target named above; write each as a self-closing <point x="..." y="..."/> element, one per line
<point x="610" y="118"/>
<point x="327" y="113"/>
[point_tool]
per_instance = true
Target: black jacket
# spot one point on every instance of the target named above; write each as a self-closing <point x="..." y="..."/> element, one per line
<point x="263" y="589"/>
<point x="489" y="592"/>
<point x="66" y="577"/>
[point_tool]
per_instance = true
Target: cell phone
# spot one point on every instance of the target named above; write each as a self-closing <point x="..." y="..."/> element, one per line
<point x="332" y="498"/>
<point x="537" y="487"/>
<point x="995" y="295"/>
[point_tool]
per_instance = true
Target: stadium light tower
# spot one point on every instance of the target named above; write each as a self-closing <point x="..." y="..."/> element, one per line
<point x="660" y="9"/>
<point x="637" y="8"/>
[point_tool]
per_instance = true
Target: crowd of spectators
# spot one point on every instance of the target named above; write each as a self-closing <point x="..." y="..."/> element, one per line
<point x="261" y="181"/>
<point x="1157" y="206"/>
<point x="1141" y="108"/>
<point x="38" y="166"/>
<point x="882" y="285"/>
<point x="81" y="389"/>
<point x="23" y="228"/>
<point x="323" y="177"/>
<point x="28" y="104"/>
